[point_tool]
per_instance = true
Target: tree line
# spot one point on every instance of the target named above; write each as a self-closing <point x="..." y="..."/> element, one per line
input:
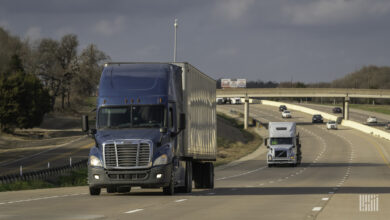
<point x="43" y="76"/>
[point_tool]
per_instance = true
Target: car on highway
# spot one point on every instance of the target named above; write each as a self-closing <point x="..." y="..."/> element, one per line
<point x="337" y="110"/>
<point x="372" y="119"/>
<point x="286" y="114"/>
<point x="317" y="119"/>
<point x="282" y="108"/>
<point x="331" y="125"/>
<point x="387" y="125"/>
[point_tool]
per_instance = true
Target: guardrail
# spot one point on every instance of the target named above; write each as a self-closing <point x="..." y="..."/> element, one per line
<point x="42" y="174"/>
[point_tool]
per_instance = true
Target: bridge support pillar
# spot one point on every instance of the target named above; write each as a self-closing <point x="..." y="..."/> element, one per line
<point x="246" y="112"/>
<point x="346" y="108"/>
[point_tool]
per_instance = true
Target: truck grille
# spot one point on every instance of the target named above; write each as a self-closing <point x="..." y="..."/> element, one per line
<point x="280" y="153"/>
<point x="127" y="155"/>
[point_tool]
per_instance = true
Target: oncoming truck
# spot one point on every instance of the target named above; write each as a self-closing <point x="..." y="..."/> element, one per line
<point x="283" y="144"/>
<point x="155" y="127"/>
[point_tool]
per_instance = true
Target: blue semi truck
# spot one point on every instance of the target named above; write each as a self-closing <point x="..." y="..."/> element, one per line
<point x="155" y="128"/>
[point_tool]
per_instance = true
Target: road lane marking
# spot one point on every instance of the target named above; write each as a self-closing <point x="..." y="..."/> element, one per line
<point x="241" y="174"/>
<point x="317" y="209"/>
<point x="133" y="211"/>
<point x="325" y="199"/>
<point x="182" y="200"/>
<point x="41" y="198"/>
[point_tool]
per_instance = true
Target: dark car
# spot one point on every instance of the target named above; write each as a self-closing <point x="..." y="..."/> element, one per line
<point x="337" y="110"/>
<point x="282" y="108"/>
<point x="317" y="119"/>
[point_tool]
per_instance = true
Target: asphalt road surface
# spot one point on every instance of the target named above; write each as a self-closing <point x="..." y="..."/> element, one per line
<point x="345" y="174"/>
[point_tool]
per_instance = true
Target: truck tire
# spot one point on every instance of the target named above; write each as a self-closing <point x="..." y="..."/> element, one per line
<point x="188" y="177"/>
<point x="208" y="175"/>
<point x="198" y="175"/>
<point x="111" y="189"/>
<point x="93" y="191"/>
<point x="170" y="189"/>
<point x="123" y="189"/>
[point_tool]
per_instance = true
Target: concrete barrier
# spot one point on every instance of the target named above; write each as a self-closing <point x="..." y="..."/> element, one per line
<point x="347" y="123"/>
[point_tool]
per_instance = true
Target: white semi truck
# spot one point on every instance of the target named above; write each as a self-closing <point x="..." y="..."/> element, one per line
<point x="283" y="144"/>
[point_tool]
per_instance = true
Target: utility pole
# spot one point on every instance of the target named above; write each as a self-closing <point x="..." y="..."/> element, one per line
<point x="175" y="41"/>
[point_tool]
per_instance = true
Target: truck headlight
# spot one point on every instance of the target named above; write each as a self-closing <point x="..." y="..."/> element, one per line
<point x="161" y="160"/>
<point x="269" y="157"/>
<point x="95" y="162"/>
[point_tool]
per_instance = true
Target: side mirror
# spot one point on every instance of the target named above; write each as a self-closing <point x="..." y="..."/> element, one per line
<point x="182" y="121"/>
<point x="163" y="130"/>
<point x="84" y="123"/>
<point x="266" y="141"/>
<point x="93" y="131"/>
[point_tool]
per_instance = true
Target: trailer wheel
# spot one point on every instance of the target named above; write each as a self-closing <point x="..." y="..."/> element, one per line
<point x="93" y="191"/>
<point x="209" y="175"/>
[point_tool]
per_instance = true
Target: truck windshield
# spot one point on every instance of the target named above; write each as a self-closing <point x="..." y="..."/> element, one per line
<point x="131" y="117"/>
<point x="279" y="141"/>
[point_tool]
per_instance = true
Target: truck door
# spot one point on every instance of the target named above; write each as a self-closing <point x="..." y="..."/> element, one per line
<point x="172" y="125"/>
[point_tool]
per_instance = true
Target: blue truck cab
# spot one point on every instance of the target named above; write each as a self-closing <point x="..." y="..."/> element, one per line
<point x="155" y="127"/>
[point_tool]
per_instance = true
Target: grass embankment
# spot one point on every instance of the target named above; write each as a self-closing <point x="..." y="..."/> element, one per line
<point x="384" y="109"/>
<point x="232" y="148"/>
<point x="75" y="178"/>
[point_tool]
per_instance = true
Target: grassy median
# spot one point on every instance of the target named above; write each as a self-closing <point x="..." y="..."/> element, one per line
<point x="74" y="178"/>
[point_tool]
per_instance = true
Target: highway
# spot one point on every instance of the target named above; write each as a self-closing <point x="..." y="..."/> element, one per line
<point x="33" y="158"/>
<point x="355" y="115"/>
<point x="340" y="170"/>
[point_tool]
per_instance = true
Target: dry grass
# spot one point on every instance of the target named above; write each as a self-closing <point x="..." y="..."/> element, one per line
<point x="230" y="150"/>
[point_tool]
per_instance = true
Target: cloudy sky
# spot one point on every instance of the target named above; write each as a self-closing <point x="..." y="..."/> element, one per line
<point x="278" y="40"/>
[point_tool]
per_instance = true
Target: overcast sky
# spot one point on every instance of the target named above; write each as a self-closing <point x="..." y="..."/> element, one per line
<point x="278" y="40"/>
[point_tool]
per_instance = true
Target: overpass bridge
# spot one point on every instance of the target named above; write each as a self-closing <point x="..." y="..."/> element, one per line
<point x="346" y="94"/>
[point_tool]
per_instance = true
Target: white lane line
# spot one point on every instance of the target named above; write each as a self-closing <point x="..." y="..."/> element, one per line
<point x="241" y="174"/>
<point x="325" y="199"/>
<point x="41" y="198"/>
<point x="133" y="211"/>
<point x="317" y="209"/>
<point x="182" y="200"/>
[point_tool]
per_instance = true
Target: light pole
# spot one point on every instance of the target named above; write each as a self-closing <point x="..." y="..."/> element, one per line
<point x="175" y="43"/>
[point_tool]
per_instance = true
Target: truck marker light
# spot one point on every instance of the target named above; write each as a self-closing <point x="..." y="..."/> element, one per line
<point x="158" y="176"/>
<point x="104" y="101"/>
<point x="126" y="101"/>
<point x="160" y="100"/>
<point x="132" y="101"/>
<point x="138" y="100"/>
<point x="96" y="177"/>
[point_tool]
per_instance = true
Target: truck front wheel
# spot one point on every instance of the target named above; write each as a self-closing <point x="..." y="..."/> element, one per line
<point x="170" y="189"/>
<point x="94" y="191"/>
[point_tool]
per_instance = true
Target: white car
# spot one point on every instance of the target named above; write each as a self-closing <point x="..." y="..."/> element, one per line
<point x="372" y="119"/>
<point x="286" y="114"/>
<point x="331" y="125"/>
